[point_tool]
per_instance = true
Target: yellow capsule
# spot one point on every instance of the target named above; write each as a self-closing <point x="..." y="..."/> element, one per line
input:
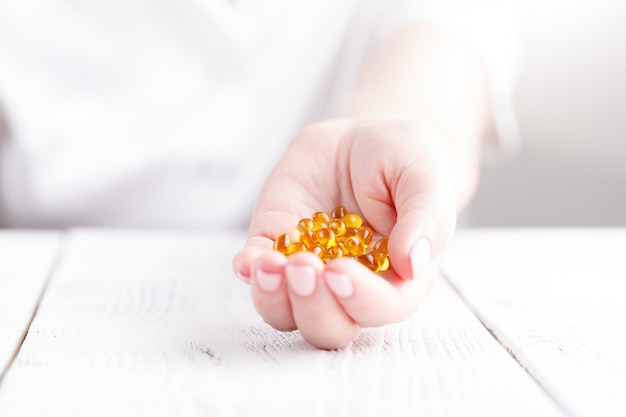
<point x="338" y="212"/>
<point x="319" y="251"/>
<point x="336" y="235"/>
<point x="334" y="252"/>
<point x="294" y="235"/>
<point x="320" y="220"/>
<point x="281" y="243"/>
<point x="305" y="224"/>
<point x="375" y="261"/>
<point x="365" y="234"/>
<point x="382" y="260"/>
<point x="381" y="245"/>
<point x="337" y="226"/>
<point x="325" y="237"/>
<point x="351" y="231"/>
<point x="385" y="265"/>
<point x="295" y="247"/>
<point x="354" y="246"/>
<point x="369" y="261"/>
<point x="309" y="238"/>
<point x="352" y="220"/>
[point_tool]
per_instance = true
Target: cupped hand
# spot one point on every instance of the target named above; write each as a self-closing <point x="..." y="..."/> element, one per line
<point x="394" y="174"/>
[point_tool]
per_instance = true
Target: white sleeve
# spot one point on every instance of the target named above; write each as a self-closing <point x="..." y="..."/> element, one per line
<point x="492" y="27"/>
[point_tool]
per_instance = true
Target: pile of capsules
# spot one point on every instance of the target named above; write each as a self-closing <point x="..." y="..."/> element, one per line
<point x="339" y="234"/>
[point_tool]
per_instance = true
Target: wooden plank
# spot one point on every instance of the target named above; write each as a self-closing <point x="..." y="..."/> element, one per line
<point x="25" y="260"/>
<point x="555" y="299"/>
<point x="155" y="324"/>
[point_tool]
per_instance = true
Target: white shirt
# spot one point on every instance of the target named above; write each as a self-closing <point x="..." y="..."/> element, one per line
<point x="172" y="112"/>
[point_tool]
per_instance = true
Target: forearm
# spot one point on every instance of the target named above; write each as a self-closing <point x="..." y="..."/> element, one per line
<point x="434" y="77"/>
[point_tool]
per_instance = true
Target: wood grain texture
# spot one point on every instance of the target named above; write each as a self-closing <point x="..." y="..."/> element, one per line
<point x="155" y="324"/>
<point x="555" y="299"/>
<point x="25" y="259"/>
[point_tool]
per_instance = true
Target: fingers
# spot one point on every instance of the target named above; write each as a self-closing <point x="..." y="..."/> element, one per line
<point x="372" y="300"/>
<point x="269" y="291"/>
<point x="290" y="293"/>
<point x="255" y="247"/>
<point x="320" y="318"/>
<point x="244" y="259"/>
<point x="330" y="305"/>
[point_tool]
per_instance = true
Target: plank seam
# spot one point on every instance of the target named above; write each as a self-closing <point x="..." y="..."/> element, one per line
<point x="54" y="266"/>
<point x="510" y="351"/>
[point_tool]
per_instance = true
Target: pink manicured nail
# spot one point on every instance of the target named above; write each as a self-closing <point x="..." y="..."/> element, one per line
<point x="340" y="284"/>
<point x="301" y="279"/>
<point x="268" y="281"/>
<point x="244" y="278"/>
<point x="420" y="258"/>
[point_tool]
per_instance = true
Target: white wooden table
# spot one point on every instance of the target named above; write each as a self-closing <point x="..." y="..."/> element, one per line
<point x="96" y="322"/>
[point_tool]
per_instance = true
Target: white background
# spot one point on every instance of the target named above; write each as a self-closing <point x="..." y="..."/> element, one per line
<point x="571" y="107"/>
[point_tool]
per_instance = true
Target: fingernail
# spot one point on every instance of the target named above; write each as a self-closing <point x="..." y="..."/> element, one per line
<point x="244" y="278"/>
<point x="339" y="284"/>
<point x="268" y="281"/>
<point x="420" y="258"/>
<point x="301" y="279"/>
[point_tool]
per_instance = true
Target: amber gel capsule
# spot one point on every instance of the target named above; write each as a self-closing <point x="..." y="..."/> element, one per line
<point x="295" y="247"/>
<point x="309" y="238"/>
<point x="336" y="235"/>
<point x="338" y="212"/>
<point x="305" y="224"/>
<point x="337" y="226"/>
<point x="369" y="261"/>
<point x="320" y="220"/>
<point x="382" y="260"/>
<point x="366" y="235"/>
<point x="354" y="246"/>
<point x="325" y="237"/>
<point x="333" y="252"/>
<point x="352" y="220"/>
<point x="281" y="243"/>
<point x="319" y="251"/>
<point x="375" y="261"/>
<point x="381" y="244"/>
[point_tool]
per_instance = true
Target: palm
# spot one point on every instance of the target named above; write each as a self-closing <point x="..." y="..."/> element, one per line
<point x="320" y="172"/>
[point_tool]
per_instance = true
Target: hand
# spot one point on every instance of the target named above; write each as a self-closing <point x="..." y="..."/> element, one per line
<point x="394" y="174"/>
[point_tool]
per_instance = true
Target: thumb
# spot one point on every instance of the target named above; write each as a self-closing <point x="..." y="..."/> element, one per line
<point x="426" y="218"/>
<point x="417" y="241"/>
